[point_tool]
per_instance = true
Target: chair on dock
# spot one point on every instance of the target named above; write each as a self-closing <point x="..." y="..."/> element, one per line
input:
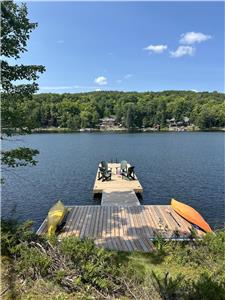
<point x="104" y="175"/>
<point x="123" y="168"/>
<point x="128" y="173"/>
<point x="104" y="165"/>
<point x="104" y="172"/>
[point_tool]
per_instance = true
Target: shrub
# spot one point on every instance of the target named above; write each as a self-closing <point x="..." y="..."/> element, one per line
<point x="168" y="287"/>
<point x="206" y="288"/>
<point x="12" y="233"/>
<point x="77" y="269"/>
<point x="94" y="265"/>
<point x="31" y="261"/>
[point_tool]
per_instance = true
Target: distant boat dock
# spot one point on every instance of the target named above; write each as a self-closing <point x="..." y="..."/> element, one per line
<point x="121" y="222"/>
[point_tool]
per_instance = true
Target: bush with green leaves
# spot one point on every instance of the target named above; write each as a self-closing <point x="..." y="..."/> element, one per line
<point x="13" y="233"/>
<point x="77" y="269"/>
<point x="206" y="288"/>
<point x="95" y="266"/>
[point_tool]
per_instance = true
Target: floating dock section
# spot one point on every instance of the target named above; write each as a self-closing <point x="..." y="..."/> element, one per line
<point x="119" y="198"/>
<point x="117" y="183"/>
<point x="120" y="222"/>
<point x="118" y="191"/>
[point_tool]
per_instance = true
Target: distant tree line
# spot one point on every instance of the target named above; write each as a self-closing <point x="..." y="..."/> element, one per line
<point x="131" y="109"/>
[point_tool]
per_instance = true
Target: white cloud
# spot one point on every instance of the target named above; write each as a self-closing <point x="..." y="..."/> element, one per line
<point x="190" y="38"/>
<point x="101" y="80"/>
<point x="98" y="90"/>
<point x="156" y="48"/>
<point x="127" y="76"/>
<point x="182" y="51"/>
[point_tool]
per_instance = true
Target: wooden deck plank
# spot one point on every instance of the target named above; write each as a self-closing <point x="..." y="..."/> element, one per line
<point x="133" y="211"/>
<point x="131" y="229"/>
<point x="79" y="222"/>
<point x="167" y="229"/>
<point x="148" y="223"/>
<point x="133" y="244"/>
<point x="71" y="218"/>
<point x="118" y="224"/>
<point x="112" y="197"/>
<point x="178" y="219"/>
<point x="96" y="225"/>
<point x="123" y="221"/>
<point x="108" y="225"/>
<point x="154" y="221"/>
<point x="100" y="222"/>
<point x="139" y="221"/>
<point x="172" y="218"/>
<point x="73" y="223"/>
<point x="149" y="244"/>
<point x="143" y="247"/>
<point x="85" y="220"/>
<point x="139" y="216"/>
<point x="93" y="222"/>
<point x="117" y="244"/>
<point x="157" y="220"/>
<point x="104" y="221"/>
<point x="173" y="224"/>
<point x="123" y="228"/>
<point x="125" y="244"/>
<point x="114" y="221"/>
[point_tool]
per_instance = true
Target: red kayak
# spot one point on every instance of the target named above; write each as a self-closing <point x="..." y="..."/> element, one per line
<point x="190" y="214"/>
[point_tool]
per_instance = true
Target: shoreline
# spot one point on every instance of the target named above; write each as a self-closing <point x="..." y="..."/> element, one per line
<point x="119" y="130"/>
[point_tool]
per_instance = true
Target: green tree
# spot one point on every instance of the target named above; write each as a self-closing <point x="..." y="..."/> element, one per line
<point x="130" y="115"/>
<point x="15" y="32"/>
<point x="73" y="122"/>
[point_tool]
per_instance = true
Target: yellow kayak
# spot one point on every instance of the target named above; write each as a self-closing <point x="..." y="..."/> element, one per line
<point x="55" y="216"/>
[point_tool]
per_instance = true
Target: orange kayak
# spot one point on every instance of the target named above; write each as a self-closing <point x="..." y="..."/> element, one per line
<point x="190" y="214"/>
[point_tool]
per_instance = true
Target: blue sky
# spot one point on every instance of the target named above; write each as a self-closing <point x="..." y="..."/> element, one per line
<point x="148" y="46"/>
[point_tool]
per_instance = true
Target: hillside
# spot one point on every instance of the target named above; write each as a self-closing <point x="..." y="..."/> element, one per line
<point x="128" y="109"/>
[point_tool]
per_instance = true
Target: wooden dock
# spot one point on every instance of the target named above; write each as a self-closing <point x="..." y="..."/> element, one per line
<point x="121" y="223"/>
<point x="124" y="228"/>
<point x="119" y="198"/>
<point x="117" y="183"/>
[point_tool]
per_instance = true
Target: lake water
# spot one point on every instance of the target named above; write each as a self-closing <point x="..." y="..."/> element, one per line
<point x="186" y="166"/>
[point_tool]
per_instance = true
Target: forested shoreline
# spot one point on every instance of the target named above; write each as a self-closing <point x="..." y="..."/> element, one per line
<point x="130" y="109"/>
